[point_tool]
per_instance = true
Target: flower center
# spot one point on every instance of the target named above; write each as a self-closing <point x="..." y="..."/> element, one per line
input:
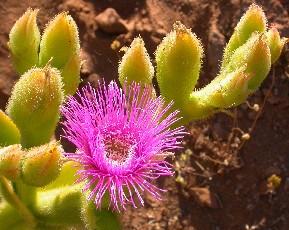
<point x="118" y="147"/>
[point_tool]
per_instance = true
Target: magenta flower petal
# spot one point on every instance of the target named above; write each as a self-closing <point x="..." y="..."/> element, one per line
<point x="122" y="139"/>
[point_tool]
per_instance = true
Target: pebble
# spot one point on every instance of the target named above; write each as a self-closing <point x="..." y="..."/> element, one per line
<point x="204" y="197"/>
<point x="110" y="22"/>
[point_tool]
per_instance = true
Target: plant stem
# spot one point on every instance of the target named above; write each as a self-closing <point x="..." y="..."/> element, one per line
<point x="14" y="200"/>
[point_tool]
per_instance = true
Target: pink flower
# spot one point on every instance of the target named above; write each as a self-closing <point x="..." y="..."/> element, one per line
<point x="122" y="139"/>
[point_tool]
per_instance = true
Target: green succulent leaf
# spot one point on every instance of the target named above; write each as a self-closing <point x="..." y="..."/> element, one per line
<point x="41" y="165"/>
<point x="9" y="133"/>
<point x="60" y="44"/>
<point x="24" y="39"/>
<point x="10" y="158"/>
<point x="254" y="20"/>
<point x="34" y="105"/>
<point x="136" y="65"/>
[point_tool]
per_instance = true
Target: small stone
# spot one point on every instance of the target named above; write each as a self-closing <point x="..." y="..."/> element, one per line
<point x="246" y="136"/>
<point x="204" y="197"/>
<point x="110" y="22"/>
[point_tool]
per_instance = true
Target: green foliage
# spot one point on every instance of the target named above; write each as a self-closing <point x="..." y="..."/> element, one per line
<point x="135" y="64"/>
<point x="10" y="161"/>
<point x="44" y="193"/>
<point x="246" y="62"/>
<point x="66" y="177"/>
<point x="61" y="43"/>
<point x="248" y="67"/>
<point x="99" y="219"/>
<point x="24" y="39"/>
<point x="34" y="105"/>
<point x="41" y="165"/>
<point x="9" y="133"/>
<point x="70" y="75"/>
<point x="178" y="60"/>
<point x="10" y="219"/>
<point x="254" y="20"/>
<point x="275" y="43"/>
<point x="59" y="206"/>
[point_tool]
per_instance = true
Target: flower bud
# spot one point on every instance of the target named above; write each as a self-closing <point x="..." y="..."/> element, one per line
<point x="275" y="43"/>
<point x="136" y="65"/>
<point x="178" y="59"/>
<point x="34" y="105"/>
<point x="24" y="41"/>
<point x="10" y="158"/>
<point x="41" y="164"/>
<point x="9" y="133"/>
<point x="60" y="42"/>
<point x="254" y="20"/>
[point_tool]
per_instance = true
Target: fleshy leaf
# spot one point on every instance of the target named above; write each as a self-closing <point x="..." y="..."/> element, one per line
<point x="59" y="207"/>
<point x="9" y="133"/>
<point x="34" y="105"/>
<point x="24" y="39"/>
<point x="275" y="43"/>
<point x="41" y="165"/>
<point x="136" y="65"/>
<point x="60" y="44"/>
<point x="254" y="20"/>
<point x="10" y="158"/>
<point x="178" y="59"/>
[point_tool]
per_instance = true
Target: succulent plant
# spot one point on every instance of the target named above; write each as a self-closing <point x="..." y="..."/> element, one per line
<point x="122" y="135"/>
<point x="247" y="60"/>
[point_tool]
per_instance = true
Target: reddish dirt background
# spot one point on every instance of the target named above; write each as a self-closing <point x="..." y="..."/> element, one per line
<point x="220" y="183"/>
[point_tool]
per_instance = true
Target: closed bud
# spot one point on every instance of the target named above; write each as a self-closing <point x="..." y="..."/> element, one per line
<point x="275" y="43"/>
<point x="60" y="42"/>
<point x="24" y="41"/>
<point x="135" y="65"/>
<point x="34" y="105"/>
<point x="254" y="20"/>
<point x="178" y="59"/>
<point x="10" y="158"/>
<point x="9" y="133"/>
<point x="41" y="165"/>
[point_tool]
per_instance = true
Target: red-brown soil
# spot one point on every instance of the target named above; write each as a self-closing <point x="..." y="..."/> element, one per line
<point x="220" y="183"/>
